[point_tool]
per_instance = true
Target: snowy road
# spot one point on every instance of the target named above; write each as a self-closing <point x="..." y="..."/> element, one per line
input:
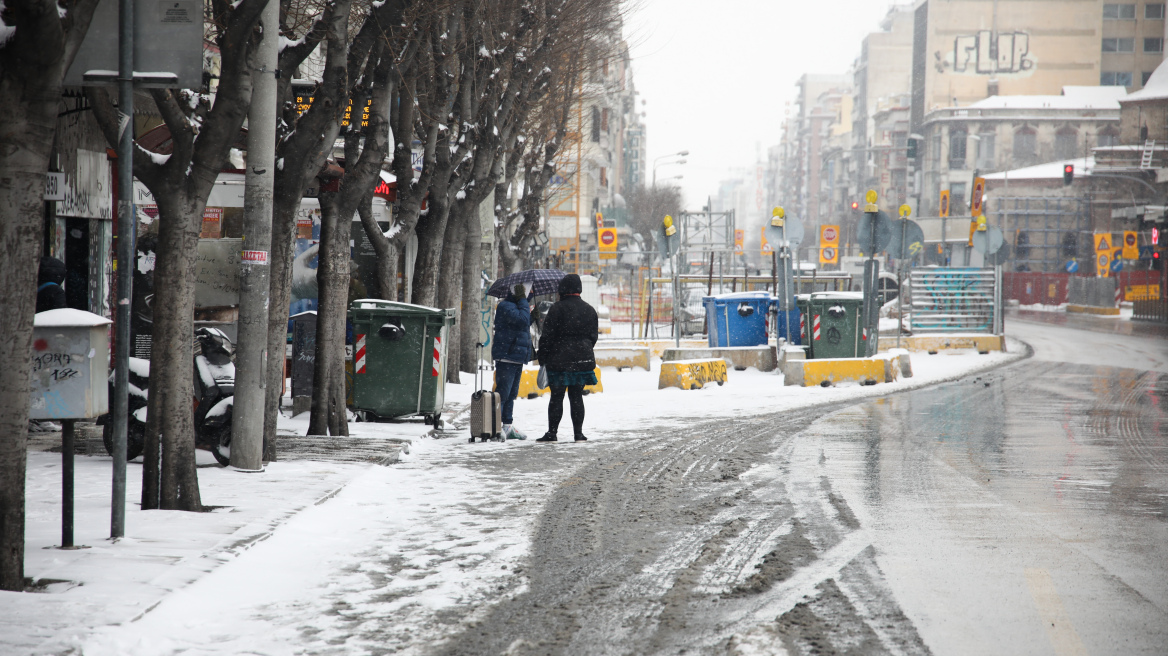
<point x="1019" y="510"/>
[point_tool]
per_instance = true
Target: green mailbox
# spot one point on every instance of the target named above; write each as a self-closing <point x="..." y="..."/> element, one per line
<point x="833" y="325"/>
<point x="399" y="359"/>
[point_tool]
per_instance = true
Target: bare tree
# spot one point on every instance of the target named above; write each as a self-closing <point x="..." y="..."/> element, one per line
<point x="202" y="130"/>
<point x="38" y="41"/>
<point x="649" y="205"/>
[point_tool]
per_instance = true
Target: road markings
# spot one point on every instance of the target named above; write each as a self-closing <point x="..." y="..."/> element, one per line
<point x="1054" y="615"/>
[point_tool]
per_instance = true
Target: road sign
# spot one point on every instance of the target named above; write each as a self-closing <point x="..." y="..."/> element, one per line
<point x="764" y="246"/>
<point x="1145" y="252"/>
<point x="739" y="241"/>
<point x="1102" y="264"/>
<point x="828" y="255"/>
<point x="883" y="231"/>
<point x="1072" y="266"/>
<point x="608" y="241"/>
<point x="913" y="241"/>
<point x="943" y="212"/>
<point x="1116" y="265"/>
<point x="978" y="195"/>
<point x="1130" y="250"/>
<point x="828" y="235"/>
<point x="988" y="241"/>
<point x="1102" y="242"/>
<point x="791" y="231"/>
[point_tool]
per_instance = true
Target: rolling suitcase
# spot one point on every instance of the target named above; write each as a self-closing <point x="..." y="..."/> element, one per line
<point x="486" y="416"/>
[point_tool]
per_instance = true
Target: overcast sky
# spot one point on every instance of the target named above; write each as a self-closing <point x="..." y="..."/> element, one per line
<point x="715" y="76"/>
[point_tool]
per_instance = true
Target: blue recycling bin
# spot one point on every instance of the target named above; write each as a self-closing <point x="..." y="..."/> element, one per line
<point x="737" y="319"/>
<point x="788" y="330"/>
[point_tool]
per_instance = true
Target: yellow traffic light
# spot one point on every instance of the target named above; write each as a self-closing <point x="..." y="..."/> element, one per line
<point x="981" y="224"/>
<point x="871" y="196"/>
<point x="905" y="211"/>
<point x="777" y="215"/>
<point x="670" y="229"/>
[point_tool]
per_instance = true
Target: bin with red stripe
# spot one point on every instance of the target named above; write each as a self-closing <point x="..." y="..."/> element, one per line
<point x="833" y="327"/>
<point x="399" y="359"/>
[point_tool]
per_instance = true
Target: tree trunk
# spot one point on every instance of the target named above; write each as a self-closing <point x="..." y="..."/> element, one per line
<point x="386" y="249"/>
<point x="284" y="212"/>
<point x="472" y="290"/>
<point x="327" y="415"/>
<point x="450" y="290"/>
<point x="171" y="482"/>
<point x="25" y="145"/>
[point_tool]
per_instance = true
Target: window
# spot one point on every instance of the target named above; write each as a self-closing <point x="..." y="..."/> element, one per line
<point x="956" y="198"/>
<point x="1154" y="11"/>
<point x="1025" y="146"/>
<point x="1108" y="137"/>
<point x="985" y="150"/>
<point x="1119" y="12"/>
<point x="935" y="148"/>
<point x="1066" y="142"/>
<point x="1144" y="77"/>
<point x="604" y="120"/>
<point x="957" y="141"/>
<point x="1115" y="79"/>
<point x="596" y="124"/>
<point x="1119" y="45"/>
<point x="1154" y="44"/>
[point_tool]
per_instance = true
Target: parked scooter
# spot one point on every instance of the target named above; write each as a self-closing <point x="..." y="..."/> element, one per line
<point x="214" y="393"/>
<point x="136" y="421"/>
<point x="213" y="402"/>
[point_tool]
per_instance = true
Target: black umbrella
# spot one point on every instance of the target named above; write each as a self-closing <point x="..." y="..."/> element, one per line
<point x="539" y="281"/>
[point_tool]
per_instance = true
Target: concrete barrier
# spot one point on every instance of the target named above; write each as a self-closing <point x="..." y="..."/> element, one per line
<point x="808" y="373"/>
<point x="1092" y="309"/>
<point x="656" y="346"/>
<point x="980" y="342"/>
<point x="691" y="374"/>
<point x="762" y="358"/>
<point x="529" y="390"/>
<point x="622" y="357"/>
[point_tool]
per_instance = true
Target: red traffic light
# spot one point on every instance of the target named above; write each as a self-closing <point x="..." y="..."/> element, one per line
<point x="855" y="205"/>
<point x="1068" y="173"/>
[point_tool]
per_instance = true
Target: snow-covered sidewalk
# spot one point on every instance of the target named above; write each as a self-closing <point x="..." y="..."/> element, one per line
<point x="314" y="557"/>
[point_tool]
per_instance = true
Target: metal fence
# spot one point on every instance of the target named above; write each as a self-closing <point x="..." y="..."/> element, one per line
<point x="952" y="300"/>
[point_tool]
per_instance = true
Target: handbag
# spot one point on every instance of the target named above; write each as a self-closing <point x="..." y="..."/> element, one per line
<point x="541" y="379"/>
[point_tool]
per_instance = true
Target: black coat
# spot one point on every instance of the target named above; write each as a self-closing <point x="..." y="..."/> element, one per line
<point x="50" y="275"/>
<point x="569" y="333"/>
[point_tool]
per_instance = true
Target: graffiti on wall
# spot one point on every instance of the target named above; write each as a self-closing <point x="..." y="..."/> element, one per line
<point x="988" y="53"/>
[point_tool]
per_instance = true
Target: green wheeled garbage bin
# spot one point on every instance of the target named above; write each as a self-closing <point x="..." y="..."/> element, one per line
<point x="833" y="324"/>
<point x="399" y="359"/>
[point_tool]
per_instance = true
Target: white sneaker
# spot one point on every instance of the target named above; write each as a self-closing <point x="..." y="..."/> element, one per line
<point x="506" y="430"/>
<point x="513" y="433"/>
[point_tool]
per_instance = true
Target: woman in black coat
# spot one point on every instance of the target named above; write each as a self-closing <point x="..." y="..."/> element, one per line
<point x="565" y="349"/>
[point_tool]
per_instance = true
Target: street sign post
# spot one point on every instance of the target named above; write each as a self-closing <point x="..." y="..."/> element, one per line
<point x="875" y="233"/>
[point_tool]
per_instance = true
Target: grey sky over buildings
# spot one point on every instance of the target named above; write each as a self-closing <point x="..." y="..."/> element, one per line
<point x="715" y="77"/>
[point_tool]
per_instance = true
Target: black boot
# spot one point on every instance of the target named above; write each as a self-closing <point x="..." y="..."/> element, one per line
<point x="580" y="437"/>
<point x="549" y="436"/>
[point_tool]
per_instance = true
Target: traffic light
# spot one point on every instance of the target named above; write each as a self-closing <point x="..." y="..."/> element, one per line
<point x="855" y="205"/>
<point x="911" y="151"/>
<point x="1068" y="174"/>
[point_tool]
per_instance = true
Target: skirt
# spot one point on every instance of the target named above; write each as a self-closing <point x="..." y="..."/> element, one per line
<point x="570" y="378"/>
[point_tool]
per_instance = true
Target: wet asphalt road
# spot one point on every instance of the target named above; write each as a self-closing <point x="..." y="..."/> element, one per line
<point x="1023" y="511"/>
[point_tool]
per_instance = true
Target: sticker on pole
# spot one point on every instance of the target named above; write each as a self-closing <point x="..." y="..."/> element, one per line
<point x="254" y="257"/>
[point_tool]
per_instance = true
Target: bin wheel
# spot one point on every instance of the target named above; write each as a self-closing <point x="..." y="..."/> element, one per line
<point x="438" y="423"/>
<point x="720" y="382"/>
<point x="471" y="440"/>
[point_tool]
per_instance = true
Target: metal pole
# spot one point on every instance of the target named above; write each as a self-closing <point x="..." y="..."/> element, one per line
<point x="247" y="425"/>
<point x="67" y="483"/>
<point x="676" y="302"/>
<point x="127" y="236"/>
<point x="900" y="281"/>
<point x="871" y="278"/>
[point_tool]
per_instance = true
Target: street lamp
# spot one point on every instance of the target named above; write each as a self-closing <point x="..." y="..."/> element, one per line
<point x="682" y="153"/>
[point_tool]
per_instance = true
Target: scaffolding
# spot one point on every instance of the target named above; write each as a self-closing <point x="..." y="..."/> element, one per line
<point x="1045" y="232"/>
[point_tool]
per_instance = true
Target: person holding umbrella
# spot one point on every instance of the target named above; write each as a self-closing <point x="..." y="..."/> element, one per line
<point x="511" y="349"/>
<point x="565" y="349"/>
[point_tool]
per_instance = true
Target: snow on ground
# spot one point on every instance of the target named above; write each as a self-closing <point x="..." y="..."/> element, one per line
<point x="312" y="557"/>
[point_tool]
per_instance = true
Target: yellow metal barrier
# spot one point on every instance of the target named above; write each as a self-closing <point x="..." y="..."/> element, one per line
<point x="691" y="374"/>
<point x="934" y="343"/>
<point x="529" y="390"/>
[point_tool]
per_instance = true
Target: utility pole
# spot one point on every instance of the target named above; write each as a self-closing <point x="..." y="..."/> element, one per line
<point x="127" y="229"/>
<point x="247" y="426"/>
<point x="871" y="278"/>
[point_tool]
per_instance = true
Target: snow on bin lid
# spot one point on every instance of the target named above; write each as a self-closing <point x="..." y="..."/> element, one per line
<point x="377" y="303"/>
<point x="739" y="296"/>
<point x="837" y="296"/>
<point x="306" y="313"/>
<point x="68" y="318"/>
